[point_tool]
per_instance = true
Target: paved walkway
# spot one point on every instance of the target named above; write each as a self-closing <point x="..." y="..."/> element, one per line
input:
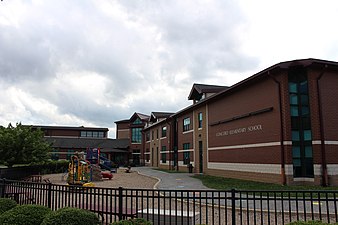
<point x="172" y="181"/>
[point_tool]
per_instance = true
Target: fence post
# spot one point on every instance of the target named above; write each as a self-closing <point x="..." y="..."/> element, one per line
<point x="49" y="195"/>
<point x="120" y="203"/>
<point x="233" y="206"/>
<point x="3" y="188"/>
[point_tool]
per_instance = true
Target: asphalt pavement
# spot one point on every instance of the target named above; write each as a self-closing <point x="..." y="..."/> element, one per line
<point x="172" y="181"/>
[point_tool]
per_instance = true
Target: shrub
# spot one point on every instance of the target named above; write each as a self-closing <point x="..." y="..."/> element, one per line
<point x="24" y="215"/>
<point x="307" y="223"/>
<point x="137" y="221"/>
<point x="54" y="166"/>
<point x="71" y="216"/>
<point x="6" y="204"/>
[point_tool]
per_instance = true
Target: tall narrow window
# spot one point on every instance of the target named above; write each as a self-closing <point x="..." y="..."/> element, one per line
<point x="301" y="133"/>
<point x="200" y="119"/>
<point x="186" y="154"/>
<point x="136" y="135"/>
<point x="148" y="136"/>
<point x="163" y="154"/>
<point x="164" y="131"/>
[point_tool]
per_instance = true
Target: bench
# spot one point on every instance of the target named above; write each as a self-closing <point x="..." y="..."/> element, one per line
<point x="160" y="216"/>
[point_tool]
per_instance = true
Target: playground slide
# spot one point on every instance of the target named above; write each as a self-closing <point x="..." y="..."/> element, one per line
<point x="105" y="163"/>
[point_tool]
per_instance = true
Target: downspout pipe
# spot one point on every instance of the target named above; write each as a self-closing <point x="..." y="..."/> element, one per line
<point x="282" y="153"/>
<point x="325" y="177"/>
<point x="171" y="143"/>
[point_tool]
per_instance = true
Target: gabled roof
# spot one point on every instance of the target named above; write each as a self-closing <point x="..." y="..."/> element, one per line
<point x="141" y="116"/>
<point x="67" y="128"/>
<point x="198" y="89"/>
<point x="106" y="144"/>
<point x="122" y="121"/>
<point x="159" y="115"/>
<point x="313" y="63"/>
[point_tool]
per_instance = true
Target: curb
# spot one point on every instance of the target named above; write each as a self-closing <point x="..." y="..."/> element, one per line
<point x="156" y="178"/>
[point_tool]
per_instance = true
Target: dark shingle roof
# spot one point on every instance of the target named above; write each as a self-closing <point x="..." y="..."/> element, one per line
<point x="198" y="89"/>
<point x="67" y="128"/>
<point x="105" y="144"/>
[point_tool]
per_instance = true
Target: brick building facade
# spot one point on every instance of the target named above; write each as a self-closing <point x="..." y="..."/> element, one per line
<point x="276" y="126"/>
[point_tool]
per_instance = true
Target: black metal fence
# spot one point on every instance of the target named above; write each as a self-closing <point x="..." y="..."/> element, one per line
<point x="181" y="206"/>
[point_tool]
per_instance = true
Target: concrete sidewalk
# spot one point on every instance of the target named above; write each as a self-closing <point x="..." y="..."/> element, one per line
<point x="172" y="181"/>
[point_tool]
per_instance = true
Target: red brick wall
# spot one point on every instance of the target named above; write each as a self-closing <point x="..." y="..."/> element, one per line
<point x="256" y="97"/>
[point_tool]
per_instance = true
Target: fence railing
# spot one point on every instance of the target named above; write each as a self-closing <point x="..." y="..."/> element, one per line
<point x="181" y="206"/>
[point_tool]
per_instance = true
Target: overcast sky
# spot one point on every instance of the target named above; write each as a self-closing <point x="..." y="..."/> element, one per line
<point x="94" y="62"/>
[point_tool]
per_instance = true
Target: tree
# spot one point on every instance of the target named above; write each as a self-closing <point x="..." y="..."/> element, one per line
<point x="22" y="145"/>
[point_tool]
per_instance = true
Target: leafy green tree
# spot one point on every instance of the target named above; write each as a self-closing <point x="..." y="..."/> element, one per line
<point x="22" y="145"/>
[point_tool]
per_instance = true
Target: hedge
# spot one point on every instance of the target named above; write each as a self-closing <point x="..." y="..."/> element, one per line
<point x="71" y="216"/>
<point x="25" y="215"/>
<point x="6" y="204"/>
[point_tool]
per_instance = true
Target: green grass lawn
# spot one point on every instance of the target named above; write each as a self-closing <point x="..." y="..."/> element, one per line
<point x="220" y="183"/>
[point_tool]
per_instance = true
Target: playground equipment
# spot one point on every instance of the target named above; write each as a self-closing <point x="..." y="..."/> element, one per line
<point x="94" y="156"/>
<point x="99" y="162"/>
<point x="79" y="171"/>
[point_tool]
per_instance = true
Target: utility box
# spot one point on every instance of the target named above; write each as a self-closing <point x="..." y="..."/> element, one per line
<point x="169" y="217"/>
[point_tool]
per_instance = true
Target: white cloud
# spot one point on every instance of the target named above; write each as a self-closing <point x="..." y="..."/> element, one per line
<point x="91" y="63"/>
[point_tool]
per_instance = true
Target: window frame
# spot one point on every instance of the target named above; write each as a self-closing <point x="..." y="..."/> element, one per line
<point x="200" y="119"/>
<point x="186" y="124"/>
<point x="186" y="154"/>
<point x="164" y="131"/>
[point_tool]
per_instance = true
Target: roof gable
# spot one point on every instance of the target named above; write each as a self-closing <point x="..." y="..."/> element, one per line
<point x="198" y="90"/>
<point x="140" y="116"/>
<point x="155" y="116"/>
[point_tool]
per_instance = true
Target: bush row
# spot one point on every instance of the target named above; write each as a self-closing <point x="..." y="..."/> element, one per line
<point x="13" y="214"/>
<point x="308" y="223"/>
<point x="53" y="166"/>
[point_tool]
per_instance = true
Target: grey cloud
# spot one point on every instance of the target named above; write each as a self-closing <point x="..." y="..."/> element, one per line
<point x="166" y="38"/>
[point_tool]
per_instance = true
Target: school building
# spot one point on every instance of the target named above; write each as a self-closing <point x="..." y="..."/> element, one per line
<point x="278" y="126"/>
<point x="67" y="140"/>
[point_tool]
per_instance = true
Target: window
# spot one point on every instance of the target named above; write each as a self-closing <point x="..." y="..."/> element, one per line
<point x="137" y="121"/>
<point x="157" y="134"/>
<point x="186" y="155"/>
<point x="83" y="133"/>
<point x="200" y="119"/>
<point x="186" y="124"/>
<point x="152" y="135"/>
<point x="164" y="131"/>
<point x="148" y="136"/>
<point x="136" y="135"/>
<point x="301" y="133"/>
<point x="94" y="134"/>
<point x="164" y="154"/>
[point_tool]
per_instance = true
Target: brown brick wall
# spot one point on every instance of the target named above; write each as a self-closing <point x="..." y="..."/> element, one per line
<point x="262" y="155"/>
<point x="64" y="133"/>
<point x="200" y="135"/>
<point x="256" y="97"/>
<point x="329" y="98"/>
<point x="261" y="177"/>
<point x="122" y="134"/>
